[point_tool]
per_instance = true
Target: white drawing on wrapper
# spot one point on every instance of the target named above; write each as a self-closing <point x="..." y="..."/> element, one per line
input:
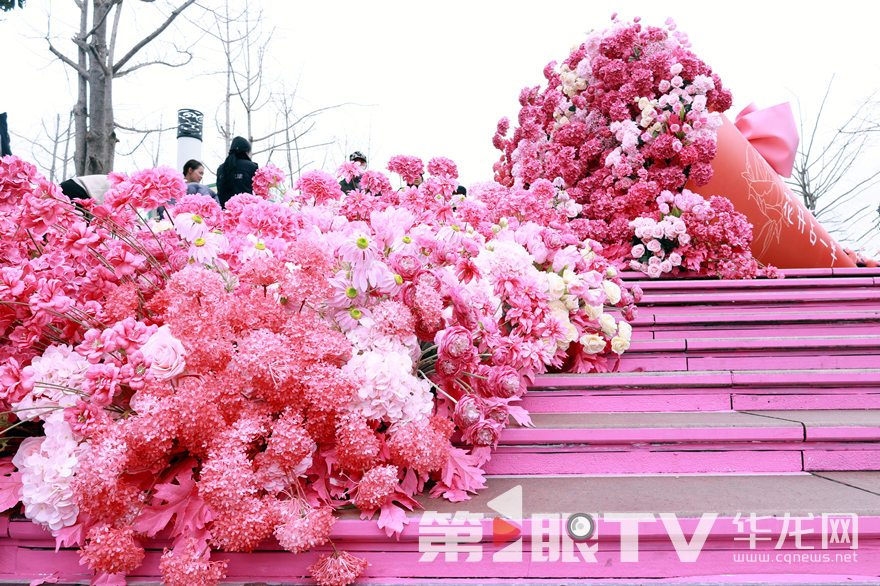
<point x="764" y="189"/>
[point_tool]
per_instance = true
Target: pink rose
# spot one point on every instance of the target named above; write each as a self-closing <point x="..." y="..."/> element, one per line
<point x="468" y="411"/>
<point x="457" y="345"/>
<point x="654" y="271"/>
<point x="654" y="245"/>
<point x="483" y="433"/>
<point x="638" y="251"/>
<point x="167" y="353"/>
<point x="505" y="382"/>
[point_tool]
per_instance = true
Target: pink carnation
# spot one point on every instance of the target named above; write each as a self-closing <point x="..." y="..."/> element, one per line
<point x="319" y="185"/>
<point x="409" y="168"/>
<point x="267" y="177"/>
<point x="442" y="167"/>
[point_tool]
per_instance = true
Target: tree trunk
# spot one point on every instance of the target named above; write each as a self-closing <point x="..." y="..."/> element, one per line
<point x="80" y="110"/>
<point x="101" y="138"/>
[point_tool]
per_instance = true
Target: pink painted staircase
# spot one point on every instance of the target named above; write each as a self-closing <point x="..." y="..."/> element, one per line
<point x="739" y="441"/>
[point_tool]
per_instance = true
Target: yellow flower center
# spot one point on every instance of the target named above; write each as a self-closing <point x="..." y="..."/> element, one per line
<point x="355" y="313"/>
<point x="199" y="242"/>
<point x="260" y="246"/>
<point x="407" y="239"/>
<point x="456" y="228"/>
<point x="362" y="243"/>
<point x="197" y="219"/>
<point x="351" y="292"/>
<point x="398" y="279"/>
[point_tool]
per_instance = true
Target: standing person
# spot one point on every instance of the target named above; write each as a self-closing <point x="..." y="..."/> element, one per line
<point x="236" y="174"/>
<point x="193" y="171"/>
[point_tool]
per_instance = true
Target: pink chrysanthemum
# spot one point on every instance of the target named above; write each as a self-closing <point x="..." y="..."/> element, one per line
<point x="112" y="550"/>
<point x="338" y="569"/>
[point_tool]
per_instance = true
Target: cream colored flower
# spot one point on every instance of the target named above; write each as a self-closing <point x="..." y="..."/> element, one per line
<point x="594" y="311"/>
<point x="612" y="291"/>
<point x="624" y="330"/>
<point x="593" y="344"/>
<point x="619" y="345"/>
<point x="557" y="286"/>
<point x="608" y="325"/>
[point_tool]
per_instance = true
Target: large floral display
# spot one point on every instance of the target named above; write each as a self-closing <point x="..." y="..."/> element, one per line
<point x="227" y="375"/>
<point x="623" y="124"/>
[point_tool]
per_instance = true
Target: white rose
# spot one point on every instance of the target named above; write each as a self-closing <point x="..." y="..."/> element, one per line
<point x="594" y="311"/>
<point x="619" y="345"/>
<point x="612" y="291"/>
<point x="559" y="310"/>
<point x="572" y="334"/>
<point x="557" y="286"/>
<point x="571" y="302"/>
<point x="624" y="330"/>
<point x="607" y="323"/>
<point x="592" y="344"/>
<point x="611" y="272"/>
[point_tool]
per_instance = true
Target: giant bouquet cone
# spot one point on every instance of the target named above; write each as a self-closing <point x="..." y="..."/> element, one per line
<point x="785" y="233"/>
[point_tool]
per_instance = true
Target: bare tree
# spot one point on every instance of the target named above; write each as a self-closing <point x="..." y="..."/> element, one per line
<point x="830" y="176"/>
<point x="46" y="146"/>
<point x="96" y="67"/>
<point x="244" y="44"/>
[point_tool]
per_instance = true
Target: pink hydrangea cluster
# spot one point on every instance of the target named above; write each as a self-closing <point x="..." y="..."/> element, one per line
<point x="693" y="234"/>
<point x="227" y="375"/>
<point x="630" y="114"/>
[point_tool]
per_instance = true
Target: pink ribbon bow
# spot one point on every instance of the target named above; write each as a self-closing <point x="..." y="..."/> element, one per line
<point x="773" y="133"/>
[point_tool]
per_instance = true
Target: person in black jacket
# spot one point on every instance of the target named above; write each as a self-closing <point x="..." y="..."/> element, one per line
<point x="236" y="174"/>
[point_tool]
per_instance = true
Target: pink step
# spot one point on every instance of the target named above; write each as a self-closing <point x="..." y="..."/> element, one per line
<point x="684" y="286"/>
<point x="766" y="297"/>
<point x="843" y="400"/>
<point x="645" y="462"/>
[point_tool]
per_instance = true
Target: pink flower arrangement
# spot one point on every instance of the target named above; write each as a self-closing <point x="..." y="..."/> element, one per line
<point x="228" y="375"/>
<point x="409" y="168"/>
<point x="266" y="178"/>
<point x="630" y="114"/>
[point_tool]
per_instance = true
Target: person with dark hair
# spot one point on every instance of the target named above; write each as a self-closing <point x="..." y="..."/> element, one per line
<point x="193" y="171"/>
<point x="236" y="174"/>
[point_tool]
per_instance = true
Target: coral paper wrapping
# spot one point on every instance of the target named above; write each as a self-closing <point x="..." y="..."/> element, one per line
<point x="785" y="233"/>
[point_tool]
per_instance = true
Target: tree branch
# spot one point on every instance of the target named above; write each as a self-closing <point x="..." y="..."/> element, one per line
<point x="157" y="62"/>
<point x="64" y="59"/>
<point x="146" y="40"/>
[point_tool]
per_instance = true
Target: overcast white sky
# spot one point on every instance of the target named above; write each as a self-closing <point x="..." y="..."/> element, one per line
<point x="434" y="78"/>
